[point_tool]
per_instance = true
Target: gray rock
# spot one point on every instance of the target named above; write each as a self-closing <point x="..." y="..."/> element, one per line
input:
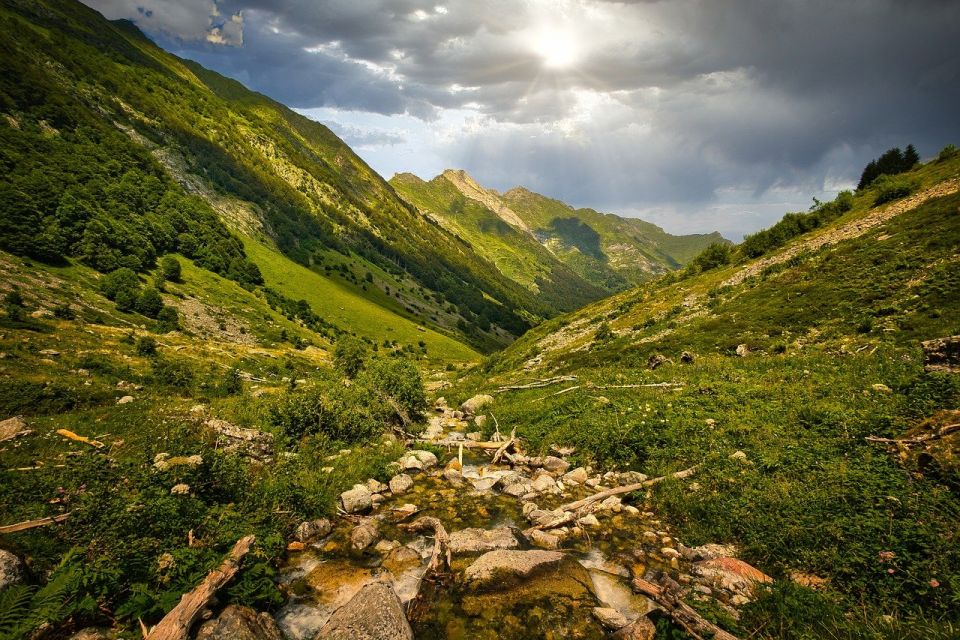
<point x="517" y="490"/>
<point x="364" y="535"/>
<point x="482" y="540"/>
<point x="544" y="540"/>
<point x="376" y="486"/>
<point x="610" y="618"/>
<point x="485" y="484"/>
<point x="502" y="567"/>
<point x="11" y="569"/>
<point x="554" y="464"/>
<point x="476" y="403"/>
<point x="12" y="427"/>
<point x="374" y="613"/>
<point x="125" y="400"/>
<point x="578" y="476"/>
<point x="240" y="623"/>
<point x="356" y="499"/>
<point x="400" y="483"/>
<point x="453" y="476"/>
<point x="313" y="529"/>
<point x="742" y="350"/>
<point x="640" y="629"/>
<point x="544" y="483"/>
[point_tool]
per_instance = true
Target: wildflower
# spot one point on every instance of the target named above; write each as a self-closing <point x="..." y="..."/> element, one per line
<point x="934" y="583"/>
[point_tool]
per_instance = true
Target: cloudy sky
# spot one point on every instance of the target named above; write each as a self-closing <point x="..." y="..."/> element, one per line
<point x="693" y="114"/>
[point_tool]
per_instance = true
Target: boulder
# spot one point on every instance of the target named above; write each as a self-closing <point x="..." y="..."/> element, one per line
<point x="656" y="360"/>
<point x="687" y="358"/>
<point x="640" y="629"/>
<point x="453" y="476"/>
<point x="485" y="484"/>
<point x="125" y="400"/>
<point x="374" y="613"/>
<point x="364" y="535"/>
<point x="610" y="618"/>
<point x="544" y="483"/>
<point x="476" y="403"/>
<point x="426" y="458"/>
<point x="742" y="350"/>
<point x="518" y="489"/>
<point x="313" y="530"/>
<point x="577" y="476"/>
<point x="482" y="540"/>
<point x="544" y="540"/>
<point x="12" y="427"/>
<point x="732" y="575"/>
<point x="240" y="623"/>
<point x="400" y="483"/>
<point x="411" y="463"/>
<point x="588" y="520"/>
<point x="376" y="486"/>
<point x="357" y="499"/>
<point x="554" y="464"/>
<point x="942" y="354"/>
<point x="11" y="569"/>
<point x="502" y="567"/>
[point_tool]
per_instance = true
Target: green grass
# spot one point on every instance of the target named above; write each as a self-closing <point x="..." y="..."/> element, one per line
<point x="348" y="309"/>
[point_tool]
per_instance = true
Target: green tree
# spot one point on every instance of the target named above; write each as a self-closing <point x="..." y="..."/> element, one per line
<point x="170" y="269"/>
<point x="350" y="355"/>
<point x="397" y="381"/>
<point x="168" y="320"/>
<point x="149" y="303"/>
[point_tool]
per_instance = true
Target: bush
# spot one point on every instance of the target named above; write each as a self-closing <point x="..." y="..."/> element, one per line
<point x="120" y="280"/>
<point x="947" y="152"/>
<point x="146" y="346"/>
<point x="349" y="414"/>
<point x="126" y="300"/>
<point x="170" y="269"/>
<point x="350" y="355"/>
<point x="149" y="303"/>
<point x="604" y="332"/>
<point x="889" y="189"/>
<point x="396" y="379"/>
<point x="168" y="320"/>
<point x="716" y="255"/>
<point x="172" y="373"/>
<point x="64" y="312"/>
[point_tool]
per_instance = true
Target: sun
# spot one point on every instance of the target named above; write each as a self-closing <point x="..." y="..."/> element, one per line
<point x="558" y="48"/>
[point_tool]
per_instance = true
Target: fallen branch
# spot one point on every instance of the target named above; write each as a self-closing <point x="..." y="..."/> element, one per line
<point x="506" y="445"/>
<point x="33" y="524"/>
<point x="467" y="444"/>
<point x="681" y="613"/>
<point x="627" y="488"/>
<point x="561" y="392"/>
<point x="66" y="433"/>
<point x="536" y="384"/>
<point x="654" y="385"/>
<point x="943" y="431"/>
<point x="176" y="624"/>
<point x="438" y="566"/>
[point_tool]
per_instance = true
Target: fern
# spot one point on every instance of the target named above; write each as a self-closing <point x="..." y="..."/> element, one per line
<point x="24" y="608"/>
<point x="15" y="610"/>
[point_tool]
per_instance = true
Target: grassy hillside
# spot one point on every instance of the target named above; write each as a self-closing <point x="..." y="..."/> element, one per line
<point x="125" y="150"/>
<point x="795" y="357"/>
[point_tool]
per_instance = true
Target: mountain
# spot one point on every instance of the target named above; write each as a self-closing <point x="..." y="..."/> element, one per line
<point x="93" y="107"/>
<point x="607" y="251"/>
<point x="789" y="372"/>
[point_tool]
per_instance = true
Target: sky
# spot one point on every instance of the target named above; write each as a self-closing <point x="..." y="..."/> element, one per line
<point x="697" y="115"/>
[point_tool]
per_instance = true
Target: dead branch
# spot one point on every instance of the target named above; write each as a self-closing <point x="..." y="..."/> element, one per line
<point x="536" y="384"/>
<point x="33" y="524"/>
<point x="628" y="488"/>
<point x="467" y="444"/>
<point x="506" y="445"/>
<point x="176" y="624"/>
<point x="656" y="385"/>
<point x="681" y="613"/>
<point x="943" y="431"/>
<point x="85" y="440"/>
<point x="438" y="566"/>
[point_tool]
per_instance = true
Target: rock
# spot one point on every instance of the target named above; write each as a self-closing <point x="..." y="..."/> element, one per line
<point x="640" y="629"/>
<point x="411" y="463"/>
<point x="400" y="559"/>
<point x="400" y="483"/>
<point x="426" y="458"/>
<point x="544" y="483"/>
<point x="731" y="574"/>
<point x="482" y="540"/>
<point x="296" y="546"/>
<point x="742" y="350"/>
<point x="610" y="618"/>
<point x="12" y="427"/>
<point x="588" y="520"/>
<point x="942" y="354"/>
<point x="544" y="540"/>
<point x="52" y="353"/>
<point x="711" y="550"/>
<point x="180" y="490"/>
<point x="554" y="464"/>
<point x="364" y="535"/>
<point x="374" y="613"/>
<point x="92" y="633"/>
<point x="240" y="623"/>
<point x="480" y="420"/>
<point x="509" y="478"/>
<point x="578" y="476"/>
<point x="613" y="503"/>
<point x="475" y="404"/>
<point x="502" y="567"/>
<point x="740" y="456"/>
<point x="475" y="436"/>
<point x="656" y="360"/>
<point x="687" y="358"/>
<point x="240" y="440"/>
<point x="125" y="400"/>
<point x="313" y="530"/>
<point x="881" y="388"/>
<point x="11" y="569"/>
<point x="452" y="476"/>
<point x="631" y="477"/>
<point x="357" y="499"/>
<point x="649" y="537"/>
<point x="485" y="484"/>
<point x="376" y="486"/>
<point x="541" y="517"/>
<point x="669" y="553"/>
<point x="518" y="489"/>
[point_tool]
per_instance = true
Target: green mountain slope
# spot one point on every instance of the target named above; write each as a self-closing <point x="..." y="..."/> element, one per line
<point x="87" y="101"/>
<point x="792" y="360"/>
<point x="605" y="250"/>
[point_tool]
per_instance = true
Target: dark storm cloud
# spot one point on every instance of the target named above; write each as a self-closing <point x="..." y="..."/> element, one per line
<point x="647" y="103"/>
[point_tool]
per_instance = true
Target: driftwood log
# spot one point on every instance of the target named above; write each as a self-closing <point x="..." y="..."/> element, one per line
<point x="176" y="624"/>
<point x="681" y="613"/>
<point x="437" y="569"/>
<point x="33" y="524"/>
<point x="627" y="488"/>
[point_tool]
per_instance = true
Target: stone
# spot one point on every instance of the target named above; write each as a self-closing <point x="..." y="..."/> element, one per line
<point x="92" y="633"/>
<point x="610" y="618"/>
<point x="739" y="456"/>
<point x="544" y="540"/>
<point x="554" y="464"/>
<point x="426" y="458"/>
<point x="12" y="427"/>
<point x="687" y="358"/>
<point x="631" y="477"/>
<point x="578" y="476"/>
<point x="480" y="420"/>
<point x="476" y="403"/>
<point x="375" y="613"/>
<point x="731" y="574"/>
<point x="544" y="483"/>
<point x="502" y="567"/>
<point x="11" y="569"/>
<point x="453" y="476"/>
<point x="376" y="486"/>
<point x="742" y="350"/>
<point x="640" y="629"/>
<point x="518" y="489"/>
<point x="475" y="436"/>
<point x="669" y="552"/>
<point x="588" y="520"/>
<point x="400" y="483"/>
<point x="613" y="503"/>
<point x="482" y="540"/>
<point x="296" y="546"/>
<point x="411" y="463"/>
<point x="364" y="535"/>
<point x="881" y="388"/>
<point x="180" y="490"/>
<point x="125" y="400"/>
<point x="240" y="623"/>
<point x="942" y="354"/>
<point x="656" y="360"/>
<point x="485" y="484"/>
<point x="509" y="478"/>
<point x="541" y="517"/>
<point x="357" y="499"/>
<point x="313" y="530"/>
<point x="400" y="559"/>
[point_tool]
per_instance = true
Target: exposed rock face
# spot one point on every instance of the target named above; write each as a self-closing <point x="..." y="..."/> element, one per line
<point x="357" y="499"/>
<point x="476" y="404"/>
<point x="498" y="568"/>
<point x="313" y="529"/>
<point x="400" y="483"/>
<point x="482" y="540"/>
<point x="12" y="427"/>
<point x="11" y="569"/>
<point x="374" y="613"/>
<point x="240" y="623"/>
<point x="942" y="354"/>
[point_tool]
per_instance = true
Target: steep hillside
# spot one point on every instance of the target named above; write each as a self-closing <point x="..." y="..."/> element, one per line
<point x="87" y="102"/>
<point x="605" y="250"/>
<point x="776" y="367"/>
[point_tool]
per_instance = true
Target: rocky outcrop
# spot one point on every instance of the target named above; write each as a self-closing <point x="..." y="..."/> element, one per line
<point x="475" y="404"/>
<point x="11" y="569"/>
<point x="942" y="354"/>
<point x="249" y="442"/>
<point x="12" y="428"/>
<point x="374" y="613"/>
<point x="482" y="540"/>
<point x="240" y="623"/>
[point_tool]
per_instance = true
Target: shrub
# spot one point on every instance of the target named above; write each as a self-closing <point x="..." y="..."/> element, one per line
<point x="168" y="320"/>
<point x="604" y="332"/>
<point x="889" y="189"/>
<point x="170" y="269"/>
<point x="716" y="255"/>
<point x="146" y="346"/>
<point x="64" y="312"/>
<point x="396" y="379"/>
<point x="947" y="152"/>
<point x="119" y="280"/>
<point x="350" y="355"/>
<point x="231" y="384"/>
<point x="349" y="414"/>
<point x="149" y="303"/>
<point x="126" y="300"/>
<point x="172" y="373"/>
